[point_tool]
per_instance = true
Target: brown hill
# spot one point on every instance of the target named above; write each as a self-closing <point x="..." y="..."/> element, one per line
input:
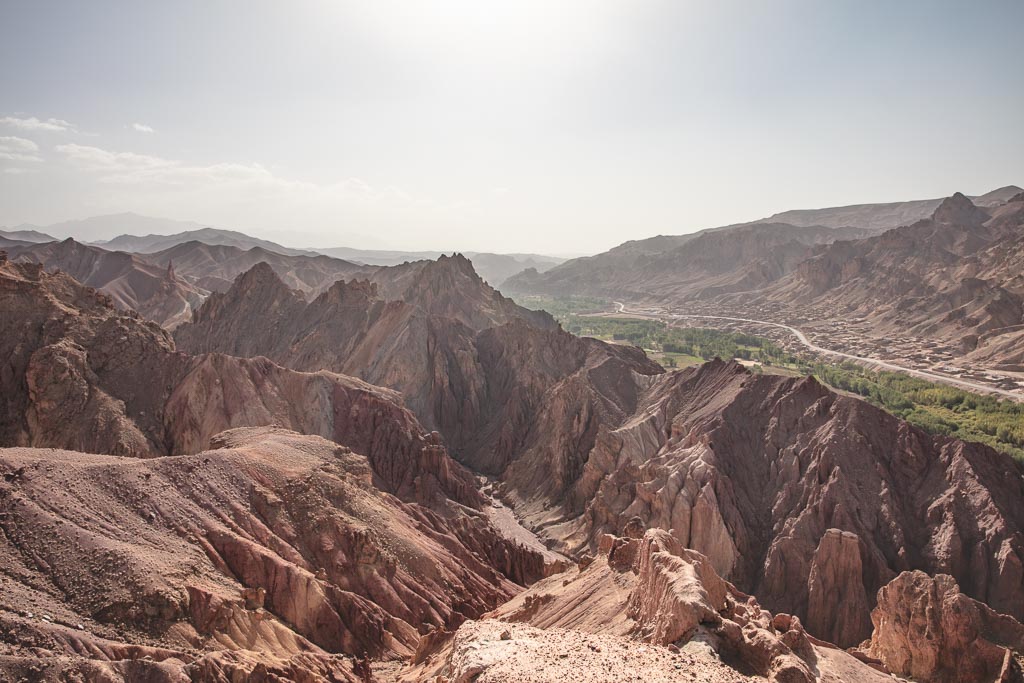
<point x="214" y="267"/>
<point x="131" y="281"/>
<point x="702" y="264"/>
<point x="733" y="258"/>
<point x="468" y="361"/>
<point x="274" y="552"/>
<point x="166" y="234"/>
<point x="881" y="217"/>
<point x="953" y="277"/>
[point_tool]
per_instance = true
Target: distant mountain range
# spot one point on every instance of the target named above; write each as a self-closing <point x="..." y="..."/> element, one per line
<point x="494" y="268"/>
<point x="950" y="270"/>
<point x="880" y="217"/>
<point x="147" y="244"/>
<point x="29" y="236"/>
<point x="107" y="227"/>
<point x="133" y="233"/>
<point x="942" y="269"/>
<point x="165" y="286"/>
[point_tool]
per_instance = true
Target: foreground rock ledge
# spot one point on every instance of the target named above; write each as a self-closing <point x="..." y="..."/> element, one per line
<point x="642" y="607"/>
<point x="927" y="629"/>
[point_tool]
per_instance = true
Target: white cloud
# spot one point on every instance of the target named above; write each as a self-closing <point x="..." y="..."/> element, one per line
<point x="14" y="170"/>
<point x="19" y="143"/>
<point x="246" y="194"/>
<point x="32" y="123"/>
<point x="142" y="128"/>
<point x="132" y="168"/>
<point x="18" y="149"/>
<point x="101" y="160"/>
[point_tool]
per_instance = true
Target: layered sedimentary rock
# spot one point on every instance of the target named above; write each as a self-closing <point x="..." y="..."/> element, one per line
<point x="274" y="551"/>
<point x="927" y="629"/>
<point x="794" y="493"/>
<point x="469" y="362"/>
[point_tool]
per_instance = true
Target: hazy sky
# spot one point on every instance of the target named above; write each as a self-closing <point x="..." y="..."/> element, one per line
<point x="528" y="125"/>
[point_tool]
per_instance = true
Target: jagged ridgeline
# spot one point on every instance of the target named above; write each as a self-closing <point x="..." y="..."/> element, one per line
<point x="407" y="475"/>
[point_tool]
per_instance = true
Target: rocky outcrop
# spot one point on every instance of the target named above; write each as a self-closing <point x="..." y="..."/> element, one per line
<point x="795" y="494"/>
<point x="132" y="281"/>
<point x="837" y="603"/>
<point x="676" y="592"/>
<point x="925" y="628"/>
<point x="679" y="596"/>
<point x="468" y="362"/>
<point x="646" y="589"/>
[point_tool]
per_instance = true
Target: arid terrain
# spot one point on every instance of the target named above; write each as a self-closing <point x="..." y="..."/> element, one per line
<point x="328" y="471"/>
<point x="511" y="341"/>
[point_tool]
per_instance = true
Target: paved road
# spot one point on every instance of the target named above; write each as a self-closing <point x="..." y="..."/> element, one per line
<point x="945" y="379"/>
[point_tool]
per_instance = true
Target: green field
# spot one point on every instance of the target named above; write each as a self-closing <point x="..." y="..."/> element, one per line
<point x="936" y="408"/>
<point x="685" y="344"/>
<point x="566" y="310"/>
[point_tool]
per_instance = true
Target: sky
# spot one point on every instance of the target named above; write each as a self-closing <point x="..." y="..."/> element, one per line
<point x="560" y="127"/>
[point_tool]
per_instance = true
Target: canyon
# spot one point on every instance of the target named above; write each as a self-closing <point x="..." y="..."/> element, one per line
<point x="332" y="471"/>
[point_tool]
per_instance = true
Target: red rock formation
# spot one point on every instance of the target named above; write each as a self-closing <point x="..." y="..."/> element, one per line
<point x="468" y="362"/>
<point x="927" y="629"/>
<point x="274" y="545"/>
<point x="837" y="604"/>
<point x="132" y="281"/>
<point x="250" y="559"/>
<point x="754" y="470"/>
<point x="80" y="375"/>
